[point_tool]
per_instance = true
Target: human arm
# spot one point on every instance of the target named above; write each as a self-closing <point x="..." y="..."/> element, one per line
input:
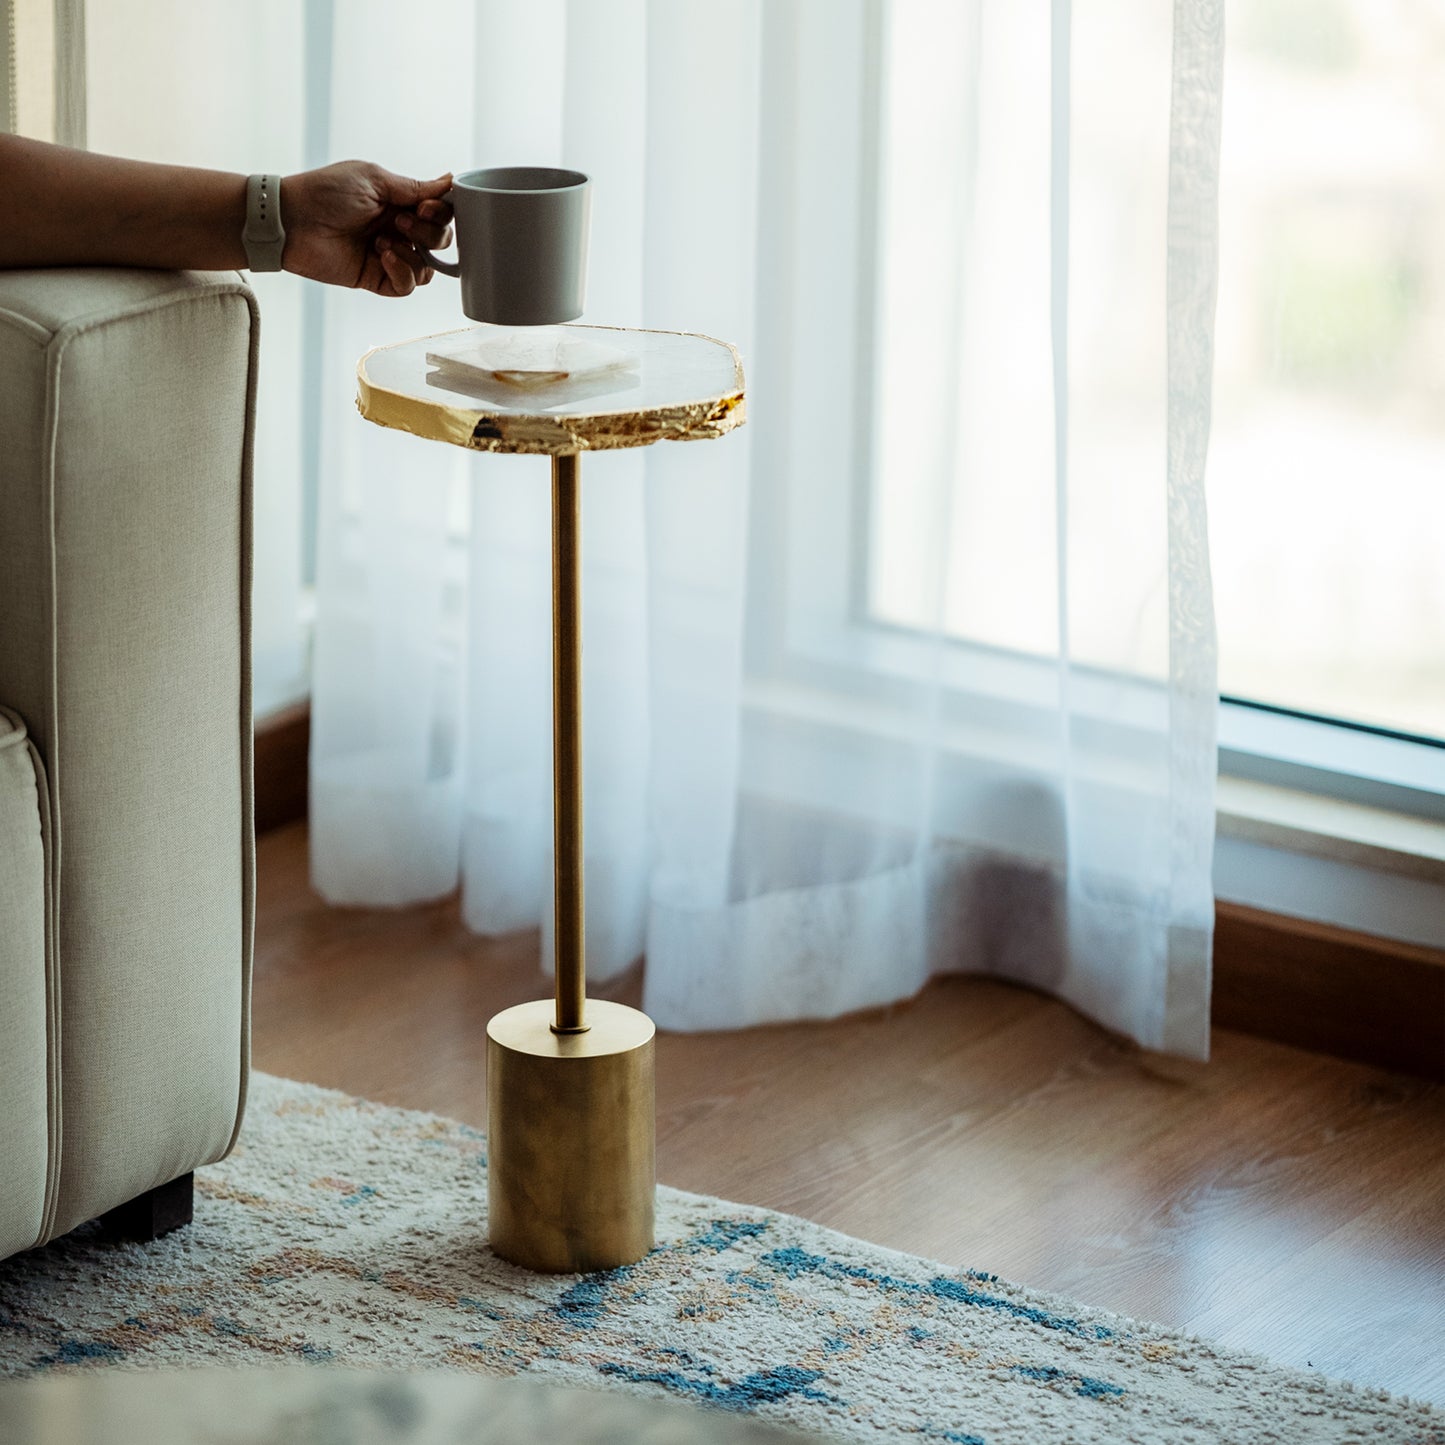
<point x="350" y="224"/>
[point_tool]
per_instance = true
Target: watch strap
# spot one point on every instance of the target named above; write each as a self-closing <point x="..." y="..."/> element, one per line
<point x="264" y="237"/>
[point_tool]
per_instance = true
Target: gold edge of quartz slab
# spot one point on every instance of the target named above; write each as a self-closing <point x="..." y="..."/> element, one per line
<point x="430" y="420"/>
<point x="541" y="433"/>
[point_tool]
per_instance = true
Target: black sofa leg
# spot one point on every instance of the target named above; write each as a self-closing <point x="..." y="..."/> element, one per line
<point x="152" y="1214"/>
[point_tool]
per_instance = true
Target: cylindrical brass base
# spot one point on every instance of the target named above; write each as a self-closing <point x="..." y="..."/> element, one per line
<point x="571" y="1135"/>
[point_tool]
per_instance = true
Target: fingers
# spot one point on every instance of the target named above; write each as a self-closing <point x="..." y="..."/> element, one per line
<point x="414" y="212"/>
<point x="403" y="267"/>
<point x="434" y="190"/>
<point x="401" y="276"/>
<point x="428" y="226"/>
<point x="407" y="194"/>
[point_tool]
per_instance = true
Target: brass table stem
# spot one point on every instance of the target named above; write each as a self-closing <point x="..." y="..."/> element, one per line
<point x="570" y="948"/>
<point x="571" y="1110"/>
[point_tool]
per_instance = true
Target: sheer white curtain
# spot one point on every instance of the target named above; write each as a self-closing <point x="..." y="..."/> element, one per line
<point x="186" y="82"/>
<point x="913" y="674"/>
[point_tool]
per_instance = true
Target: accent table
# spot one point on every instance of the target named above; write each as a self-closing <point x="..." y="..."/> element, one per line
<point x="570" y="1091"/>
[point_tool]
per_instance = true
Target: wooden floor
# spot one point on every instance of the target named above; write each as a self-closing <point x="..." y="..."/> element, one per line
<point x="1276" y="1200"/>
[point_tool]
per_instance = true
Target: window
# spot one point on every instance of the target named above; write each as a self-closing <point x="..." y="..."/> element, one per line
<point x="1326" y="475"/>
<point x="1327" y="467"/>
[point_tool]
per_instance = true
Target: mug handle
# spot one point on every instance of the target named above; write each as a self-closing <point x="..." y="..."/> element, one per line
<point x="447" y="268"/>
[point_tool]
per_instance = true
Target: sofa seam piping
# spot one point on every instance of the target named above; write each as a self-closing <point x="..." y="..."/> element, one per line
<point x="52" y="985"/>
<point x="245" y="720"/>
<point x="55" y="359"/>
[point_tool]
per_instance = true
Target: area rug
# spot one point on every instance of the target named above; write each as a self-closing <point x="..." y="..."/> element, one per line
<point x="345" y="1231"/>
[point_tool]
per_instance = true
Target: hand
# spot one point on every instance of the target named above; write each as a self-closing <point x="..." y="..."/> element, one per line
<point x="355" y="224"/>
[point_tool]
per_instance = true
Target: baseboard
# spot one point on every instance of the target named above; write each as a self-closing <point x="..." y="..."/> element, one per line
<point x="282" y="751"/>
<point x="1322" y="988"/>
<point x="1330" y="990"/>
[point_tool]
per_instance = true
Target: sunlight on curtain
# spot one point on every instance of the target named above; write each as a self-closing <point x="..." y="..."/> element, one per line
<point x="194" y="82"/>
<point x="982" y="535"/>
<point x="27" y="68"/>
<point x="904" y="678"/>
<point x="388" y="665"/>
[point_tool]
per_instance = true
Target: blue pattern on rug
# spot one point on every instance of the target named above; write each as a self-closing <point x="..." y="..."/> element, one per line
<point x="747" y="1394"/>
<point x="80" y="1352"/>
<point x="1083" y="1384"/>
<point x="725" y="1233"/>
<point x="587" y="1300"/>
<point x="794" y="1262"/>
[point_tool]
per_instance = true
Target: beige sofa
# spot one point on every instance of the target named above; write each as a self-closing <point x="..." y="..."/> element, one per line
<point x="126" y="857"/>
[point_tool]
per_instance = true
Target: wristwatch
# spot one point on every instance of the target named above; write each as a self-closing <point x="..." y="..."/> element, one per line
<point x="264" y="237"/>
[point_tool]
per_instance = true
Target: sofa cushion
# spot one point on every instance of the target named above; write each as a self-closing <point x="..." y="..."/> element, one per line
<point x="125" y="446"/>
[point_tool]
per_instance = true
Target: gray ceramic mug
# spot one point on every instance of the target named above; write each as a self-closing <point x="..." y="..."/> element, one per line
<point x="521" y="244"/>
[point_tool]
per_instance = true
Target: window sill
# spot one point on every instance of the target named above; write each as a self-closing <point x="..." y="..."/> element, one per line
<point x="1315" y="826"/>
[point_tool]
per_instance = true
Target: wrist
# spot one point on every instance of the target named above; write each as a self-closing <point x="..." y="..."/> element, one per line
<point x="298" y="214"/>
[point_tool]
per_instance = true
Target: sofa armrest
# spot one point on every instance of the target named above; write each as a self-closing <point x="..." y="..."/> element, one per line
<point x="125" y="517"/>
